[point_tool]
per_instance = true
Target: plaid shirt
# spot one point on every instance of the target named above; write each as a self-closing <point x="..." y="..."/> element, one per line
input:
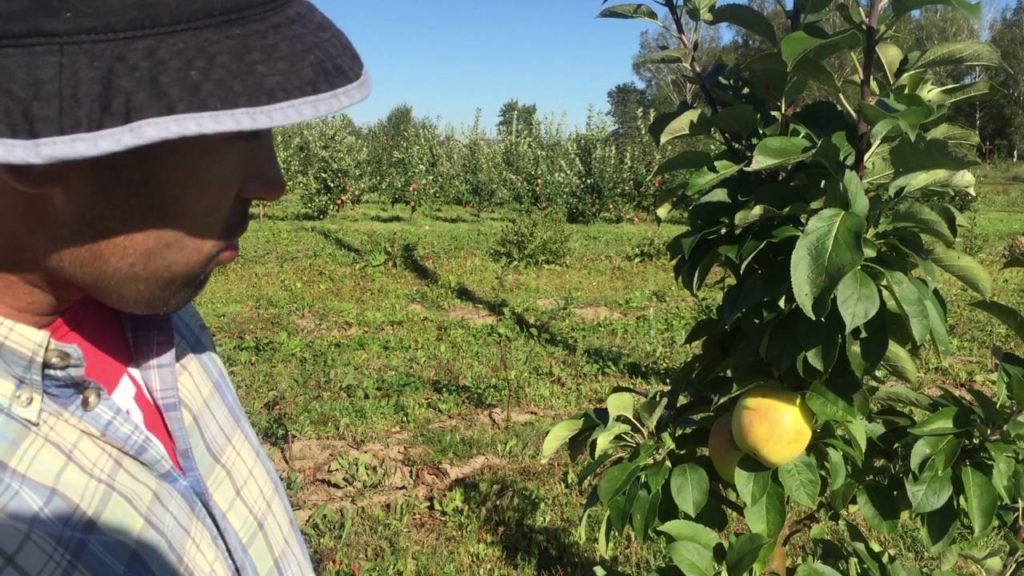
<point x="84" y="489"/>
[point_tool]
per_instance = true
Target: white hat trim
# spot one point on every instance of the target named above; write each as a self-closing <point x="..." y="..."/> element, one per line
<point x="152" y="130"/>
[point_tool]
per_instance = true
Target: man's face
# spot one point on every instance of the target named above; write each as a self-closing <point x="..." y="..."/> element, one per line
<point x="141" y="231"/>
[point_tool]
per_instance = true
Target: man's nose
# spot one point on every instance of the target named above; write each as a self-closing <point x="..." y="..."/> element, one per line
<point x="264" y="179"/>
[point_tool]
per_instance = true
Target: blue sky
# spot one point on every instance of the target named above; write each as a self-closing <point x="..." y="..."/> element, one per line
<point x="450" y="57"/>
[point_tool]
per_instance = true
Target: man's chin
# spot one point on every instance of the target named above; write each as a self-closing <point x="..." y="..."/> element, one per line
<point x="167" y="299"/>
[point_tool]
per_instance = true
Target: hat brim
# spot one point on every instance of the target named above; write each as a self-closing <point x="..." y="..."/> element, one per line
<point x="75" y="100"/>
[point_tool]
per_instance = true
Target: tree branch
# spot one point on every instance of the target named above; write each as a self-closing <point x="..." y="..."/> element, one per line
<point x="870" y="47"/>
<point x="798" y="526"/>
<point x="684" y="39"/>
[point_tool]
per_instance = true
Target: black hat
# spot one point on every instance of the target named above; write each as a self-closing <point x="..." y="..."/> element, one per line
<point x="84" y="78"/>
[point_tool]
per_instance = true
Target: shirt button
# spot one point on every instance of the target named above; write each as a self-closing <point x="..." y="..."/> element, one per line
<point x="56" y="359"/>
<point x="90" y="399"/>
<point x="24" y="397"/>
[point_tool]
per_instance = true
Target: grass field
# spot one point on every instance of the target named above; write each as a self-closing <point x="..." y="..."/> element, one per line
<point x="403" y="381"/>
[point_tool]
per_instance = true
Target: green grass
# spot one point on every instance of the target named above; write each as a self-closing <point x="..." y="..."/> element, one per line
<point x="389" y="348"/>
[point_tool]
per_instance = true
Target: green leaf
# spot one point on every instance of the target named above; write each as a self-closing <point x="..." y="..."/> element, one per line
<point x="687" y="160"/>
<point x="970" y="9"/>
<point x="752" y="479"/>
<point x="687" y="531"/>
<point x="879" y="507"/>
<point x="690" y="123"/>
<point x="954" y="133"/>
<point x="801" y="481"/>
<point x="1010" y="379"/>
<point x="866" y="353"/>
<point x="630" y="12"/>
<point x="640" y="515"/>
<point x="620" y="404"/>
<point x="942" y="449"/>
<point x="857" y="200"/>
<point x="902" y="396"/>
<point x="767" y="515"/>
<point x="962" y="93"/>
<point x="962" y="267"/>
<point x="800" y="44"/>
<point x="890" y="56"/>
<point x="740" y="120"/>
<point x="934" y="179"/>
<point x="706" y="178"/>
<point x="815" y="569"/>
<point x="1002" y="470"/>
<point x="931" y="490"/>
<point x="743" y="553"/>
<point x="836" y="469"/>
<point x="959" y="54"/>
<point x="858" y="300"/>
<point x="615" y="480"/>
<point x="776" y="151"/>
<point x="940" y="526"/>
<point x="675" y="56"/>
<point x="604" y="440"/>
<point x="830" y="247"/>
<point x="945" y="421"/>
<point x="1005" y="314"/>
<point x="692" y="558"/>
<point x="746" y="18"/>
<point x="899" y="362"/>
<point x="980" y="495"/>
<point x="923" y="219"/>
<point x="910" y="303"/>
<point x="827" y="405"/>
<point x="559" y="435"/>
<point x="689" y="485"/>
<point x="936" y="318"/>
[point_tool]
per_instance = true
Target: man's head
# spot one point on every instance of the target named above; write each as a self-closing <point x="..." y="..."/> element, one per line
<point x="140" y="230"/>
<point x="134" y="134"/>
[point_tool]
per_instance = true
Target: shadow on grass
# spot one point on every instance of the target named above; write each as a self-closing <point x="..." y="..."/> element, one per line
<point x="456" y="219"/>
<point x="513" y="513"/>
<point x="541" y="332"/>
<point x="339" y="242"/>
<point x="387" y="218"/>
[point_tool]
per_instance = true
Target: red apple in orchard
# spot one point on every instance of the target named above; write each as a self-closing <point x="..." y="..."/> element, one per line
<point x="723" y="450"/>
<point x="772" y="425"/>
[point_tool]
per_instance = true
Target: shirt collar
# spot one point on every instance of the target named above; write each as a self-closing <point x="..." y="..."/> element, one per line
<point x="25" y="352"/>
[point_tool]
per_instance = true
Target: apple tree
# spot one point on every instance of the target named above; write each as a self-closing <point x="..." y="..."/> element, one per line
<point x="821" y="226"/>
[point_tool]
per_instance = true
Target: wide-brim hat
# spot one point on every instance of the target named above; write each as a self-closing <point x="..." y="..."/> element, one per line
<point x="84" y="79"/>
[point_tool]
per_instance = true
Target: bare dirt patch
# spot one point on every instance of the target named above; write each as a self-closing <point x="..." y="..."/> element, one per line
<point x="417" y="307"/>
<point x="472" y="315"/>
<point x="596" y="313"/>
<point x="495" y="417"/>
<point x="548" y="303"/>
<point x="343" y="475"/>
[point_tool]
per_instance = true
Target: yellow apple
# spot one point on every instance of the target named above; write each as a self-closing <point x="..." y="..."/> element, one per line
<point x="724" y="452"/>
<point x="772" y="425"/>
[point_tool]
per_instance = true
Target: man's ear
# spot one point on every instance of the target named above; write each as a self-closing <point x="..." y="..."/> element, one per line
<point x="30" y="179"/>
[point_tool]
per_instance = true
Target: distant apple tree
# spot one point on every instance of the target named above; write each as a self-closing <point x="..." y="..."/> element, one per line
<point x="821" y="226"/>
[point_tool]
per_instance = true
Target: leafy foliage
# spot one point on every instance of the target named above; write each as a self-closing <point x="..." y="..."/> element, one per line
<point x="530" y="240"/>
<point x="602" y="172"/>
<point x="826" y="218"/>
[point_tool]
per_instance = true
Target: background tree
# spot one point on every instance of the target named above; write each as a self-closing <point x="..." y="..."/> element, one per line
<point x="1002" y="119"/>
<point x="515" y="118"/>
<point x="626" y="102"/>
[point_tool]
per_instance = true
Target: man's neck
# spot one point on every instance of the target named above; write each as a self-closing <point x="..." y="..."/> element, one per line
<point x="28" y="300"/>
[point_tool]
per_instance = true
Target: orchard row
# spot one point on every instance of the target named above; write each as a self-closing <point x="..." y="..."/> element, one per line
<point x="589" y="174"/>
